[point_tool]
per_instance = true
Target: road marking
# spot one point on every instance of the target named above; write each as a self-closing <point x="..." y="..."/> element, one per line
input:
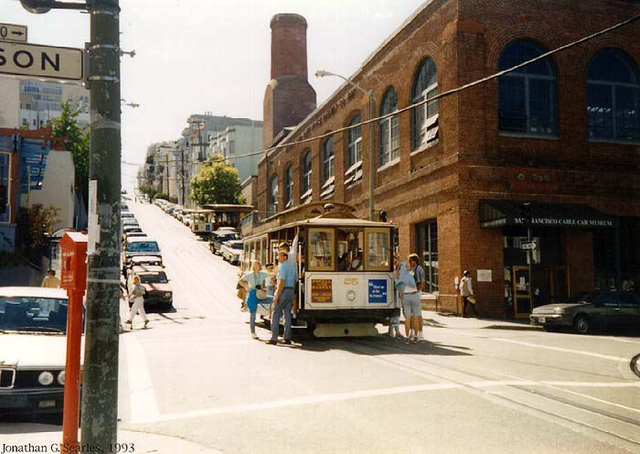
<point x="142" y="396"/>
<point x="558" y="349"/>
<point x="324" y="398"/>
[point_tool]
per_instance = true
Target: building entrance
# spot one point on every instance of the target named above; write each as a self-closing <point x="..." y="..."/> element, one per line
<point x="537" y="276"/>
<point x="533" y="286"/>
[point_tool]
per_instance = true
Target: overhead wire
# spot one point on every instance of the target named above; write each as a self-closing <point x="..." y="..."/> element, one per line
<point x="435" y="98"/>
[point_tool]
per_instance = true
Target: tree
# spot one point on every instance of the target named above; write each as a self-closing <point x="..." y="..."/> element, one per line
<point x="77" y="142"/>
<point x="217" y="182"/>
<point x="41" y="222"/>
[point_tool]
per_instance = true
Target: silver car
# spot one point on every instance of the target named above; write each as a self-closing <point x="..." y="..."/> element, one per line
<point x="586" y="311"/>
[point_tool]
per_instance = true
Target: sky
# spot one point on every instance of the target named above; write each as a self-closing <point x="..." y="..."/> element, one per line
<point x="196" y="56"/>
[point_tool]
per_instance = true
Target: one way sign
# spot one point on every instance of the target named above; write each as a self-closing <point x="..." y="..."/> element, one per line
<point x="13" y="33"/>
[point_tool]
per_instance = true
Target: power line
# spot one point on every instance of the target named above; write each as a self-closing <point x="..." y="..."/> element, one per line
<point x="444" y="94"/>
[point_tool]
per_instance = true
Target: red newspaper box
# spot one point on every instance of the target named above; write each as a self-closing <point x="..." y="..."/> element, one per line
<point x="74" y="279"/>
<point x="73" y="246"/>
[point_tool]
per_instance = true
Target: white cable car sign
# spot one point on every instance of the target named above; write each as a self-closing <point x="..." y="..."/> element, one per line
<point x="62" y="63"/>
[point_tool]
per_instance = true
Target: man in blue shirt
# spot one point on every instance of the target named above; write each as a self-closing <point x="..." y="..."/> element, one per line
<point x="283" y="298"/>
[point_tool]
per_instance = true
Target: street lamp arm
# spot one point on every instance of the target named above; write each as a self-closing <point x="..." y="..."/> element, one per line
<point x="322" y="73"/>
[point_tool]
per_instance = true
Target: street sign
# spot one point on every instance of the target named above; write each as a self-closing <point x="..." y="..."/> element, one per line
<point x="62" y="63"/>
<point x="12" y="32"/>
<point x="529" y="245"/>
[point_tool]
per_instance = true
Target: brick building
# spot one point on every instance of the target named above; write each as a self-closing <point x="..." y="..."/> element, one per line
<point x="549" y="153"/>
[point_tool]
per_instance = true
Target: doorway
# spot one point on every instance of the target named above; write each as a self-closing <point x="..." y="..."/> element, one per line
<point x="537" y="285"/>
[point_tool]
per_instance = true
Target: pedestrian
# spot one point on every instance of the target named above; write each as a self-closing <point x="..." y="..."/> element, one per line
<point x="270" y="280"/>
<point x="412" y="304"/>
<point x="136" y="294"/>
<point x="283" y="299"/>
<point x="50" y="280"/>
<point x="254" y="282"/>
<point x="466" y="291"/>
<point x="401" y="275"/>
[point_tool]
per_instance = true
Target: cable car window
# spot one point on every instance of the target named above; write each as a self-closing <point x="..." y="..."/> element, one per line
<point x="378" y="250"/>
<point x="321" y="249"/>
<point x="350" y="246"/>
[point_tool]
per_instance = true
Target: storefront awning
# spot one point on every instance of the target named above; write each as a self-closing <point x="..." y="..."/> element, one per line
<point x="498" y="213"/>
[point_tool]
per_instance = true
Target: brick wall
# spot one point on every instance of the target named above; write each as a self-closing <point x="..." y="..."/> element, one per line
<point x="471" y="159"/>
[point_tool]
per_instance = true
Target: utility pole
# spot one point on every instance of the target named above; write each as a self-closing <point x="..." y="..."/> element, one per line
<point x="100" y="390"/>
<point x="183" y="201"/>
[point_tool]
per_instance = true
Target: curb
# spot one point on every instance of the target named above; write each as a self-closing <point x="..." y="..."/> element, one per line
<point x="516" y="328"/>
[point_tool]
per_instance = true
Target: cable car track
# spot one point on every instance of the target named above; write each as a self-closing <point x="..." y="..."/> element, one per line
<point x="360" y="346"/>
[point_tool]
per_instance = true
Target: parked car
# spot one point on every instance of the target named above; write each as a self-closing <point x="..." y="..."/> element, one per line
<point x="127" y="215"/>
<point x="221" y="236"/>
<point x="33" y="323"/>
<point x="134" y="235"/>
<point x="232" y="251"/>
<point x="158" y="294"/>
<point x="152" y="260"/>
<point x="585" y="312"/>
<point x="129" y="228"/>
<point x="138" y="246"/>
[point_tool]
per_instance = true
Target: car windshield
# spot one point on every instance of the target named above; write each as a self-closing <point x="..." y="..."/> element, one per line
<point x="228" y="237"/>
<point x="234" y="245"/>
<point x="583" y="297"/>
<point x="153" y="278"/>
<point x="33" y="314"/>
<point x="143" y="246"/>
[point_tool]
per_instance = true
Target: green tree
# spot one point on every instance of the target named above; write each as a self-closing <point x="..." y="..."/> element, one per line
<point x="217" y="182"/>
<point x="77" y="142"/>
<point x="41" y="222"/>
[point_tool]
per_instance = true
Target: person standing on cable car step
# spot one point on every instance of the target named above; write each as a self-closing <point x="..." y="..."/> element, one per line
<point x="283" y="299"/>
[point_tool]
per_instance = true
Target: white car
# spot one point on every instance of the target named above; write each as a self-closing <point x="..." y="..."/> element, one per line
<point x="33" y="344"/>
<point x="231" y="251"/>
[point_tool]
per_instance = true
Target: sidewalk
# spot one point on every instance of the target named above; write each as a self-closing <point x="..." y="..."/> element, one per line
<point x="441" y="320"/>
<point x="45" y="436"/>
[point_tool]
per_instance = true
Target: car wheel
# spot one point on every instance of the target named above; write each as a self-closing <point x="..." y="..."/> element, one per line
<point x="582" y="324"/>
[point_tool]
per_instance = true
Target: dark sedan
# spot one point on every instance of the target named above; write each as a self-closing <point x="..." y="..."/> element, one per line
<point x="587" y="311"/>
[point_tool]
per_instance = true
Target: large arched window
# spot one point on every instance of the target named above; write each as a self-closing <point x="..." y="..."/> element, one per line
<point x="527" y="97"/>
<point x="613" y="93"/>
<point x="288" y="186"/>
<point x="305" y="176"/>
<point x="424" y="125"/>
<point x="388" y="133"/>
<point x="273" y="195"/>
<point x="353" y="174"/>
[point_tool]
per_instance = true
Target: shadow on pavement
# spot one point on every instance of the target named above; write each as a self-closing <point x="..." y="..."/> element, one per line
<point x="379" y="345"/>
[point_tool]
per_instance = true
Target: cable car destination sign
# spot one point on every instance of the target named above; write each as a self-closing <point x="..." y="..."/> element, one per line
<point x="21" y="59"/>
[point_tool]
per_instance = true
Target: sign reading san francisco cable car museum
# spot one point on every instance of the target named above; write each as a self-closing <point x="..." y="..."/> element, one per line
<point x="48" y="62"/>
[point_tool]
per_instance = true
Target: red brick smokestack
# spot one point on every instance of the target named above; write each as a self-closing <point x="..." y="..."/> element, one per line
<point x="289" y="97"/>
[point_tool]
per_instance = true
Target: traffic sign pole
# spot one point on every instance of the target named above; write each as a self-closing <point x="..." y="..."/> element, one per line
<point x="100" y="391"/>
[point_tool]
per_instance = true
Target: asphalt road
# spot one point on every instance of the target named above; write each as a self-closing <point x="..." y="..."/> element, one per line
<point x="197" y="374"/>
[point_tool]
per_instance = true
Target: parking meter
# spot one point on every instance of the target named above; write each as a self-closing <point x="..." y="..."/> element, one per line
<point x="74" y="280"/>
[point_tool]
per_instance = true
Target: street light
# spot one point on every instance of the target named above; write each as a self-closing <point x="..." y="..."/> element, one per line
<point x="372" y="154"/>
<point x="100" y="373"/>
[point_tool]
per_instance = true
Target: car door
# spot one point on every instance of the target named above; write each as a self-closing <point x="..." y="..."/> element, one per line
<point x="628" y="311"/>
<point x="606" y="308"/>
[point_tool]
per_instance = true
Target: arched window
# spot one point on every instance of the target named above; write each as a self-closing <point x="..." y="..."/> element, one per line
<point x="273" y="195"/>
<point x="388" y="133"/>
<point x="613" y="93"/>
<point x="305" y="176"/>
<point x="527" y="97"/>
<point x="424" y="127"/>
<point x="327" y="160"/>
<point x="288" y="186"/>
